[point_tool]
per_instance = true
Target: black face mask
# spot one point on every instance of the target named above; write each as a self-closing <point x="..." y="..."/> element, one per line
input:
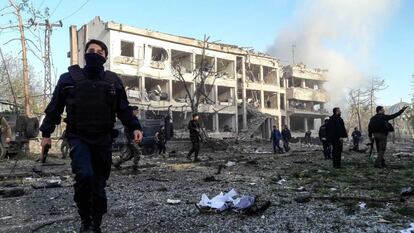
<point x="94" y="62"/>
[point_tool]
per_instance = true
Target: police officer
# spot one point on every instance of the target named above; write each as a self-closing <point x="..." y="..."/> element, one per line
<point x="132" y="149"/>
<point x="93" y="98"/>
<point x="336" y="132"/>
<point x="195" y="137"/>
<point x="356" y="137"/>
<point x="378" y="130"/>
<point x="324" y="139"/>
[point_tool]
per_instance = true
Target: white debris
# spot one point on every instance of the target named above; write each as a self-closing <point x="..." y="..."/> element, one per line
<point x="333" y="189"/>
<point x="280" y="182"/>
<point x="230" y="164"/>
<point x="408" y="230"/>
<point x="173" y="202"/>
<point x="362" y="205"/>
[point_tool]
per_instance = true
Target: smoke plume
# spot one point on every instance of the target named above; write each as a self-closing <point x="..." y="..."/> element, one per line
<point x="338" y="36"/>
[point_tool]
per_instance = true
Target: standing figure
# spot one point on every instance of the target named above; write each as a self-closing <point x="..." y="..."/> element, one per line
<point x="378" y="130"/>
<point x="93" y="98"/>
<point x="276" y="136"/>
<point x="161" y="141"/>
<point x="356" y="138"/>
<point x="195" y="137"/>
<point x="308" y="137"/>
<point x="132" y="150"/>
<point x="324" y="139"/>
<point x="286" y="136"/>
<point x="336" y="132"/>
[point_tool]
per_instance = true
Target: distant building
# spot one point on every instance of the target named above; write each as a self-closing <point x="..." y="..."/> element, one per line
<point x="306" y="97"/>
<point x="250" y="94"/>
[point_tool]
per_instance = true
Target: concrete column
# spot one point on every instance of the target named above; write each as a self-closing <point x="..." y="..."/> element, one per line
<point x="303" y="83"/>
<point x="261" y="74"/>
<point x="142" y="87"/>
<point x="277" y="77"/>
<point x="215" y="94"/>
<point x="170" y="90"/>
<point x="244" y="107"/>
<point x="305" y="121"/>
<point x="262" y="106"/>
<point x="216" y="124"/>
<point x="278" y="100"/>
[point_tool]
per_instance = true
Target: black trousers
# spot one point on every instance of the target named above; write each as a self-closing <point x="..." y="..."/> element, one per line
<point x="286" y="145"/>
<point x="337" y="147"/>
<point x="195" y="148"/>
<point x="161" y="147"/>
<point x="326" y="149"/>
<point x="91" y="165"/>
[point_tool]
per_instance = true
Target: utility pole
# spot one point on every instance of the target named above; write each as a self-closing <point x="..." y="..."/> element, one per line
<point x="26" y="83"/>
<point x="47" y="91"/>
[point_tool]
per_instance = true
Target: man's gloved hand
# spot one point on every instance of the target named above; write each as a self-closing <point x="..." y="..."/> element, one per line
<point x="404" y="108"/>
<point x="7" y="140"/>
<point x="137" y="136"/>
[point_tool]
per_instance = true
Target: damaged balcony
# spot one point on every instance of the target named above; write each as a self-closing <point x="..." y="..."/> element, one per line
<point x="270" y="75"/>
<point x="127" y="54"/>
<point x="208" y="66"/>
<point x="225" y="96"/>
<point x="225" y="68"/>
<point x="183" y="60"/>
<point x="156" y="91"/>
<point x="307" y="94"/>
<point x="306" y="108"/>
<point x="132" y="87"/>
<point x="254" y="98"/>
<point x="253" y="73"/>
<point x="227" y="122"/>
<point x="271" y="101"/>
<point x="179" y="93"/>
<point x="159" y="56"/>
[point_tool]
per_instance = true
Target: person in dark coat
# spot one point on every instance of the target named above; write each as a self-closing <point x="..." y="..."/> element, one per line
<point x="356" y="138"/>
<point x="308" y="137"/>
<point x="286" y="136"/>
<point x="195" y="137"/>
<point x="161" y="141"/>
<point x="324" y="139"/>
<point x="378" y="129"/>
<point x="336" y="132"/>
<point x="276" y="136"/>
<point x="93" y="98"/>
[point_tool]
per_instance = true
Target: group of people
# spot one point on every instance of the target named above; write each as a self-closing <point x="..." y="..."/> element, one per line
<point x="93" y="97"/>
<point x="333" y="132"/>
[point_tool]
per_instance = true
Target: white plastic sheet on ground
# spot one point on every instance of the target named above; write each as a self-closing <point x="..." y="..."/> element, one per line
<point x="225" y="201"/>
<point x="408" y="230"/>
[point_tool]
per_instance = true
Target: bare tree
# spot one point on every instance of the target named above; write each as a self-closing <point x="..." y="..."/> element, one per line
<point x="377" y="85"/>
<point x="204" y="77"/>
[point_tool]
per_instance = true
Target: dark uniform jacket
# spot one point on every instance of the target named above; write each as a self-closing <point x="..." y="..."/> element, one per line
<point x="336" y="128"/>
<point x="286" y="135"/>
<point x="323" y="136"/>
<point x="194" y="128"/>
<point x="379" y="122"/>
<point x="57" y="104"/>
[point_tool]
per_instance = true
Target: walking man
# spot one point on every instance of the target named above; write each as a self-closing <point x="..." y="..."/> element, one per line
<point x="326" y="145"/>
<point x="286" y="136"/>
<point x="275" y="137"/>
<point x="160" y="138"/>
<point x="93" y="98"/>
<point x="195" y="137"/>
<point x="378" y="129"/>
<point x="356" y="137"/>
<point x="336" y="132"/>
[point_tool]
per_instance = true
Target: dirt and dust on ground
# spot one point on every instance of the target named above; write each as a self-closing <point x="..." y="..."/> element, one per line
<point x="306" y="193"/>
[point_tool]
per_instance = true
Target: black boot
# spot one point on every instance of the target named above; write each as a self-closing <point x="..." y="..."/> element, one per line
<point x="85" y="225"/>
<point x="96" y="224"/>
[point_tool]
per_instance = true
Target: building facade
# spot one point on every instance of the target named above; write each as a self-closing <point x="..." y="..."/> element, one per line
<point x="249" y="83"/>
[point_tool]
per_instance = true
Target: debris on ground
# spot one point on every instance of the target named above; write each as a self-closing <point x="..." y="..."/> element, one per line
<point x="173" y="201"/>
<point x="408" y="230"/>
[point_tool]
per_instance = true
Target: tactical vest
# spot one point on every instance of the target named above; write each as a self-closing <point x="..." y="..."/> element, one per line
<point x="91" y="103"/>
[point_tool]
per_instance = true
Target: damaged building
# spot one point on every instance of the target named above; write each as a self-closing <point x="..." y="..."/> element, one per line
<point x="248" y="97"/>
<point x="306" y="97"/>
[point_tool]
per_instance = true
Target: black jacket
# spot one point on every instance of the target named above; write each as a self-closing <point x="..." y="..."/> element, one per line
<point x="356" y="134"/>
<point x="336" y="128"/>
<point x="322" y="133"/>
<point x="194" y="128"/>
<point x="286" y="134"/>
<point x="378" y="123"/>
<point x="57" y="104"/>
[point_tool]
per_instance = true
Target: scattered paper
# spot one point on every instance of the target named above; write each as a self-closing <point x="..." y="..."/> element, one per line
<point x="173" y="202"/>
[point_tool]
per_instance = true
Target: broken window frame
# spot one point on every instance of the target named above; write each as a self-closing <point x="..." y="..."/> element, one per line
<point x="124" y="52"/>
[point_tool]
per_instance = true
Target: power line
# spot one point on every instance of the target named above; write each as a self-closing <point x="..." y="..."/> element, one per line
<point x="64" y="18"/>
<point x="54" y="10"/>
